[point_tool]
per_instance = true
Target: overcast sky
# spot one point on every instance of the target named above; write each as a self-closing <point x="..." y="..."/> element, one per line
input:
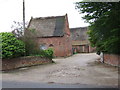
<point x="11" y="10"/>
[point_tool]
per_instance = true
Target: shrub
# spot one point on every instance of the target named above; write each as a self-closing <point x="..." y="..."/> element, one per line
<point x="48" y="53"/>
<point x="30" y="41"/>
<point x="44" y="53"/>
<point x="11" y="46"/>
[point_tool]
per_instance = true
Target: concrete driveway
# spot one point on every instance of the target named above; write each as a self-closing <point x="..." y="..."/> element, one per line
<point x="77" y="69"/>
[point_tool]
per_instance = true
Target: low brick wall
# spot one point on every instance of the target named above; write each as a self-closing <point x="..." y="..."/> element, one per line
<point x="8" y="64"/>
<point x="112" y="59"/>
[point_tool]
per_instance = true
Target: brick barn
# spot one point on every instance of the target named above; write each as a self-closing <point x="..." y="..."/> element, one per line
<point x="53" y="32"/>
<point x="80" y="42"/>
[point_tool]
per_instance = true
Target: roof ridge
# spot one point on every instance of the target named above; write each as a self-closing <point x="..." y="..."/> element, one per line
<point x="49" y="17"/>
<point x="79" y="27"/>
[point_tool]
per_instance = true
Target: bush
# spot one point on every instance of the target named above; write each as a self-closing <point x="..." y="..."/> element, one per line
<point x="48" y="53"/>
<point x="44" y="53"/>
<point x="30" y="41"/>
<point x="11" y="46"/>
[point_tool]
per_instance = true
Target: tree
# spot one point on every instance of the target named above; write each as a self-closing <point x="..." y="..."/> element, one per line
<point x="17" y="28"/>
<point x="104" y="26"/>
<point x="11" y="46"/>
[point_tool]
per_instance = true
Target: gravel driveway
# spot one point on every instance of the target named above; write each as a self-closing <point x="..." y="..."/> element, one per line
<point x="77" y="69"/>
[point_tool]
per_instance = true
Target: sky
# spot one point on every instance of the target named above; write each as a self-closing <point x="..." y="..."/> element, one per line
<point x="12" y="10"/>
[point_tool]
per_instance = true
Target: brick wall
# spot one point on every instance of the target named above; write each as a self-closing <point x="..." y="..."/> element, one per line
<point x="112" y="59"/>
<point x="22" y="62"/>
<point x="61" y="45"/>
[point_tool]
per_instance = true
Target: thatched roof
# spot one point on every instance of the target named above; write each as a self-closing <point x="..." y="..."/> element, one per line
<point x="48" y="26"/>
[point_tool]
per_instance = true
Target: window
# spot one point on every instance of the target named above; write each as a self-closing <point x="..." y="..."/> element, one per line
<point x="51" y="45"/>
<point x="43" y="47"/>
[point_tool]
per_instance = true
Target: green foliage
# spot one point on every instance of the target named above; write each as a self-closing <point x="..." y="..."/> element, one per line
<point x="104" y="29"/>
<point x="29" y="39"/>
<point x="44" y="53"/>
<point x="75" y="53"/>
<point x="11" y="47"/>
<point x="47" y="53"/>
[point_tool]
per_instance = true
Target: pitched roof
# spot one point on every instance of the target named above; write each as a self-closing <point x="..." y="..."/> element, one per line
<point x="48" y="26"/>
<point x="79" y="34"/>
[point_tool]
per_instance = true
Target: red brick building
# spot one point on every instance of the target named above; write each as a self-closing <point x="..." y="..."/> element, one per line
<point x="53" y="32"/>
<point x="80" y="42"/>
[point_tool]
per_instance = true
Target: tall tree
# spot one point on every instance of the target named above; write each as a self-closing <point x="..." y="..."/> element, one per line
<point x="104" y="30"/>
<point x="18" y="29"/>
